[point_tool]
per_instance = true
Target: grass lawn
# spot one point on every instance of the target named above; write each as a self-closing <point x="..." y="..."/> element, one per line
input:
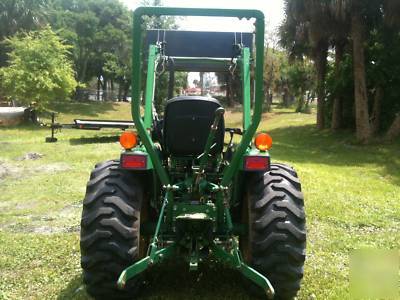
<point x="352" y="197"/>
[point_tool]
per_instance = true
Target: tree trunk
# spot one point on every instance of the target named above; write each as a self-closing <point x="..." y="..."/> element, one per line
<point x="300" y="102"/>
<point x="84" y="69"/>
<point x="126" y="91"/>
<point x="105" y="88"/>
<point x="394" y="130"/>
<point x="363" y="128"/>
<point x="112" y="89"/>
<point x="337" y="101"/>
<point x="119" y="91"/>
<point x="269" y="101"/>
<point x="307" y="103"/>
<point x="376" y="111"/>
<point x="269" y="87"/>
<point x="98" y="88"/>
<point x="266" y="96"/>
<point x="320" y="64"/>
<point x="285" y="97"/>
<point x="202" y="83"/>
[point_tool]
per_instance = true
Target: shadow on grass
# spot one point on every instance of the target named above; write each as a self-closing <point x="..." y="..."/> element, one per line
<point x="28" y="126"/>
<point x="74" y="290"/>
<point x="306" y="144"/>
<point x="94" y="140"/>
<point x="172" y="280"/>
<point x="291" y="112"/>
<point x="84" y="108"/>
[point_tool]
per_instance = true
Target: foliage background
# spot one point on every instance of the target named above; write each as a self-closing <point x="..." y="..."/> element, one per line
<point x="39" y="69"/>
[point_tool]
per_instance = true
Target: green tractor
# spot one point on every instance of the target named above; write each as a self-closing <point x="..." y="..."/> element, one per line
<point x="182" y="189"/>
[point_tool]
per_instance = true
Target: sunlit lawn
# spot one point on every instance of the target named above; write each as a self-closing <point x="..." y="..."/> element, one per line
<point x="352" y="199"/>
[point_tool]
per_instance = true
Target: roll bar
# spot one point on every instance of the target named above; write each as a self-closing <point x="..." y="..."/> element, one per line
<point x="137" y="69"/>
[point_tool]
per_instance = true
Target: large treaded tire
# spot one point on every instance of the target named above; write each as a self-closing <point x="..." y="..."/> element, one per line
<point x="276" y="242"/>
<point x="110" y="229"/>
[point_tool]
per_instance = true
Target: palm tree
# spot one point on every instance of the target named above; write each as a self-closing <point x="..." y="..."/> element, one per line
<point x="18" y="15"/>
<point x="307" y="27"/>
<point x="320" y="27"/>
<point x="358" y="32"/>
<point x="341" y="23"/>
<point x="392" y="19"/>
<point x="340" y="33"/>
<point x="356" y="15"/>
<point x="391" y="10"/>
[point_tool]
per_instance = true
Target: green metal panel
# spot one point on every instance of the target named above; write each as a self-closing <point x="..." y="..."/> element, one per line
<point x="245" y="71"/>
<point x="150" y="84"/>
<point x="137" y="67"/>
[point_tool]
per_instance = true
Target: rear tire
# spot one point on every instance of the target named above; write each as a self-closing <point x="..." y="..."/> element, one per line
<point x="110" y="230"/>
<point x="276" y="241"/>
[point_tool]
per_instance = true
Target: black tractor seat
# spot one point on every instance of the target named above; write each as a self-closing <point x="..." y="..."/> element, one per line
<point x="187" y="122"/>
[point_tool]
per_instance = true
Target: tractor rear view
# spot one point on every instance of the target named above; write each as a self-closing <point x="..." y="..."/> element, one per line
<point x="182" y="189"/>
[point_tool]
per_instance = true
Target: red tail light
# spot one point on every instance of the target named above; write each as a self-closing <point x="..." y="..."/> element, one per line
<point x="256" y="163"/>
<point x="134" y="161"/>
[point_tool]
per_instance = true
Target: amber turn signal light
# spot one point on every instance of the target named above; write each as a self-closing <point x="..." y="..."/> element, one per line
<point x="263" y="141"/>
<point x="128" y="140"/>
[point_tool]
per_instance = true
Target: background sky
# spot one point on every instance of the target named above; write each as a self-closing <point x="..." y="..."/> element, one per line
<point x="273" y="10"/>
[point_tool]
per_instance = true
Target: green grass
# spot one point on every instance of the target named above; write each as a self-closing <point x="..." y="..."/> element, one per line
<point x="352" y="197"/>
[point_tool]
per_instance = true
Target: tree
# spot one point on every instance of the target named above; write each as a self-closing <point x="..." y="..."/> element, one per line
<point x="358" y="31"/>
<point x="362" y="16"/>
<point x="17" y="15"/>
<point x="391" y="10"/>
<point x="319" y="32"/>
<point x="100" y="33"/>
<point x="300" y="78"/>
<point x="272" y="64"/>
<point x="306" y="30"/>
<point x="340" y="32"/>
<point x="392" y="20"/>
<point x="39" y="69"/>
<point x="362" y="90"/>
